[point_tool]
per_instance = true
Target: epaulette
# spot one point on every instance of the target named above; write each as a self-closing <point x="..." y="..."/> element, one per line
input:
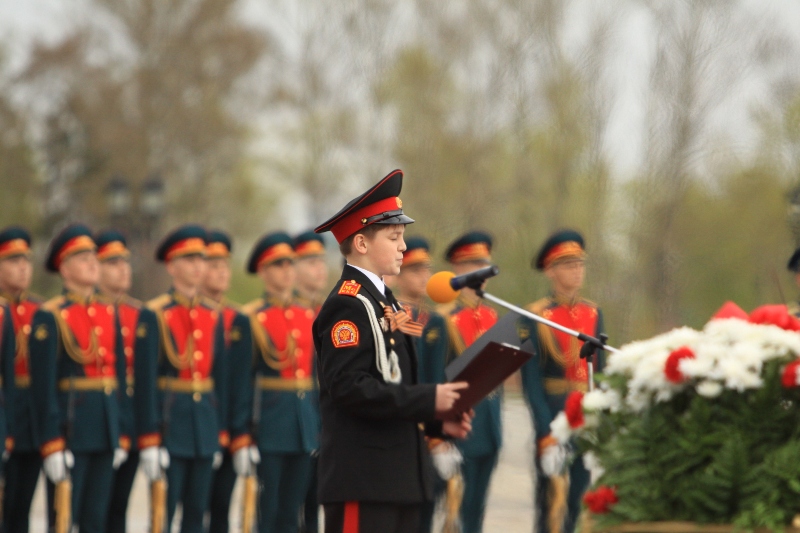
<point x="539" y="305"/>
<point x="54" y="304"/>
<point x="159" y="302"/>
<point x="251" y="307"/>
<point x="589" y="303"/>
<point x="349" y="288"/>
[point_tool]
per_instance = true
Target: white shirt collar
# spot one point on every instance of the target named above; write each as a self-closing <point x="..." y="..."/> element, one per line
<point x="377" y="281"/>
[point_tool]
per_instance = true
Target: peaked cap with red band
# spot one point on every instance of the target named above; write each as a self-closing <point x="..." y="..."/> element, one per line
<point x="111" y="244"/>
<point x="475" y="246"/>
<point x="381" y="204"/>
<point x="14" y="241"/>
<point x="560" y="245"/>
<point x="72" y="240"/>
<point x="186" y="240"/>
<point x="417" y="251"/>
<point x="218" y="244"/>
<point x="270" y="248"/>
<point x="309" y="244"/>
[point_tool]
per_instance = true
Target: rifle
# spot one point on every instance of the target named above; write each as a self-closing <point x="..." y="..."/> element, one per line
<point x="250" y="497"/>
<point x="158" y="487"/>
<point x="62" y="501"/>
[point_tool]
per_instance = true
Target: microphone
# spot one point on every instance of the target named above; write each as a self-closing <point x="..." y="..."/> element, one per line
<point x="474" y="279"/>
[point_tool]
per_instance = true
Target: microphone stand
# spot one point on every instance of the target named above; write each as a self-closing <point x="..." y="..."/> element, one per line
<point x="590" y="344"/>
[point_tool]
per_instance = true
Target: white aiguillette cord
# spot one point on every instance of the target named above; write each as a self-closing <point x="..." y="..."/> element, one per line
<point x="388" y="365"/>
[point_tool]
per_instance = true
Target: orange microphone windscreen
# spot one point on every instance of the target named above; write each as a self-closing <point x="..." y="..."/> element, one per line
<point x="439" y="289"/>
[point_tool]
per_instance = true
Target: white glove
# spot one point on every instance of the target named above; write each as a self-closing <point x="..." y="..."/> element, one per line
<point x="446" y="459"/>
<point x="120" y="456"/>
<point x="553" y="459"/>
<point x="216" y="461"/>
<point x="57" y="464"/>
<point x="153" y="460"/>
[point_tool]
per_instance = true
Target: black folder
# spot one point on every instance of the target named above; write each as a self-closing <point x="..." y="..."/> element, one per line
<point x="488" y="362"/>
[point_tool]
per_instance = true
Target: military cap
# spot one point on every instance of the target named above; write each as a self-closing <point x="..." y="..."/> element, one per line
<point x="14" y="241"/>
<point x="475" y="246"/>
<point x="794" y="262"/>
<point x="270" y="248"/>
<point x="417" y="251"/>
<point x="111" y="244"/>
<point x="561" y="244"/>
<point x="218" y="244"/>
<point x="72" y="240"/>
<point x="381" y="204"/>
<point x="185" y="240"/>
<point x="309" y="244"/>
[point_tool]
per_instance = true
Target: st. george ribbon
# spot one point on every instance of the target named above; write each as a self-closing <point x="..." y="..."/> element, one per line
<point x="444" y="287"/>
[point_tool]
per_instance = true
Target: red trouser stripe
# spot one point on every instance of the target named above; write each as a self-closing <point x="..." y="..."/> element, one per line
<point x="350" y="524"/>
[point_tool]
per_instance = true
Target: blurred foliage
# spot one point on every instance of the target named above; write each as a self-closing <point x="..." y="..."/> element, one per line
<point x="496" y="110"/>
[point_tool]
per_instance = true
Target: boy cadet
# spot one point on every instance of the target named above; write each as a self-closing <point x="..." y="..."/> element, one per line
<point x="312" y="277"/>
<point x="238" y="343"/>
<point x="287" y="426"/>
<point x="25" y="462"/>
<point x="374" y="468"/>
<point x="180" y="373"/>
<point x="112" y="289"/>
<point x="556" y="369"/>
<point x="77" y="378"/>
<point x="448" y="333"/>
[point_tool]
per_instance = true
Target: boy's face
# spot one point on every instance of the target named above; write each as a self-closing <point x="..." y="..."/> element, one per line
<point x="278" y="276"/>
<point x="567" y="275"/>
<point x="15" y="273"/>
<point x="413" y="279"/>
<point x="81" y="269"/>
<point x="187" y="271"/>
<point x="115" y="275"/>
<point x="217" y="279"/>
<point x="385" y="250"/>
<point x="312" y="273"/>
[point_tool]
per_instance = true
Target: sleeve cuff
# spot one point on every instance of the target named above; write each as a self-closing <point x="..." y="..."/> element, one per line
<point x="125" y="443"/>
<point x="242" y="441"/>
<point x="52" y="446"/>
<point x="150" y="439"/>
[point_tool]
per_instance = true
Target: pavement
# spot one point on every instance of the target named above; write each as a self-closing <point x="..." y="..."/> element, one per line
<point x="509" y="510"/>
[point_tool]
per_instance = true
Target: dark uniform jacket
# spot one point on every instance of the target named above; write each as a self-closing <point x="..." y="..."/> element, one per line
<point x="239" y="355"/>
<point x="372" y="447"/>
<point x="181" y="376"/>
<point x="7" y="396"/>
<point x="21" y="416"/>
<point x="77" y="375"/>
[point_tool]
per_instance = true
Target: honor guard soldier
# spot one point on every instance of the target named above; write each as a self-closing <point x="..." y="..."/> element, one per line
<point x="448" y="333"/>
<point x="237" y="457"/>
<point x="25" y="462"/>
<point x="312" y="278"/>
<point x="287" y="420"/>
<point x="112" y="289"/>
<point x="181" y="376"/>
<point x="556" y="370"/>
<point x="77" y="379"/>
<point x="411" y="283"/>
<point x="794" y="266"/>
<point x="374" y="467"/>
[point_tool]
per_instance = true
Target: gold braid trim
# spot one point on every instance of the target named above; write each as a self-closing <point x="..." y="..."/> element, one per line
<point x="456" y="340"/>
<point x="273" y="357"/>
<point x="179" y="361"/>
<point x="71" y="346"/>
<point x="548" y="341"/>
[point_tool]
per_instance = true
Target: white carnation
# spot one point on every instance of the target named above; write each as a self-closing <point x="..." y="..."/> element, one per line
<point x="709" y="389"/>
<point x="560" y="428"/>
<point x="601" y="400"/>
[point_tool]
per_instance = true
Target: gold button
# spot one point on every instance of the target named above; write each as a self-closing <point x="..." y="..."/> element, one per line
<point x="301" y="394"/>
<point x="98" y="330"/>
<point x="309" y="313"/>
<point x="300" y="373"/>
<point x="26" y="329"/>
<point x="108" y="390"/>
<point x="125" y="331"/>
<point x="391" y="341"/>
<point x="298" y="352"/>
<point x="197" y="334"/>
<point x="64" y="314"/>
<point x="20" y="309"/>
<point x="296" y="333"/>
<point x="289" y="314"/>
<point x="128" y="351"/>
<point x="198" y="375"/>
<point x="92" y="311"/>
<point x="196" y="396"/>
<point x="198" y="355"/>
<point x="193" y="313"/>
<point x="129" y="390"/>
<point x="101" y="350"/>
<point x="261" y="316"/>
<point x="110" y="309"/>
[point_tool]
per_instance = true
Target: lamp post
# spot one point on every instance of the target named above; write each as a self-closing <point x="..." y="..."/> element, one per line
<point x="140" y="222"/>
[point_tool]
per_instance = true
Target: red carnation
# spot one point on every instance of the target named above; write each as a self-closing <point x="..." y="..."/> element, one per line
<point x="789" y="376"/>
<point x="573" y="408"/>
<point x="601" y="500"/>
<point x="775" y="315"/>
<point x="671" y="367"/>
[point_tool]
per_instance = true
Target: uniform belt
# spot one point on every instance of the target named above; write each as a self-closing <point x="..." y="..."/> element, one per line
<point x="21" y="382"/>
<point x="563" y="386"/>
<point x="105" y="384"/>
<point x="290" y="384"/>
<point x="187" y="386"/>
